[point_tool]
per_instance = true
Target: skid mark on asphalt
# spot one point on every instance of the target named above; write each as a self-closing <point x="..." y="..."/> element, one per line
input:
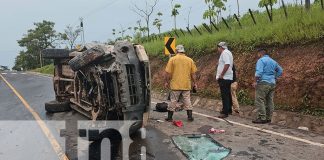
<point x="57" y="148"/>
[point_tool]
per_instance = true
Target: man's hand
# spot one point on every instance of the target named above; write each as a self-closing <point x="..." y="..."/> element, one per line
<point x="195" y="85"/>
<point x="166" y="85"/>
<point x="221" y="76"/>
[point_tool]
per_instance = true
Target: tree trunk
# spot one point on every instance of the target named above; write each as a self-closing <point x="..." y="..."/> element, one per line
<point x="175" y="22"/>
<point x="307" y="4"/>
<point x="148" y="28"/>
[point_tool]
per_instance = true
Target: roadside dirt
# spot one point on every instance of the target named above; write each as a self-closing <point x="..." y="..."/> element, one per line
<point x="301" y="86"/>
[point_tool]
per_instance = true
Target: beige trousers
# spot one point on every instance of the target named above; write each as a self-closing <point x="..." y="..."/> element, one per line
<point x="174" y="97"/>
<point x="236" y="105"/>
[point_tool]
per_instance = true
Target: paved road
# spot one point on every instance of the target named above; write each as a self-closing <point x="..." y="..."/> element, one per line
<point x="24" y="138"/>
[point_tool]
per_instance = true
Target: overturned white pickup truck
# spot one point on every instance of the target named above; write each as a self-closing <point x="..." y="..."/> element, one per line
<point x="103" y="82"/>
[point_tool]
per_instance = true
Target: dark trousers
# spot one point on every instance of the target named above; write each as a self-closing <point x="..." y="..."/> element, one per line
<point x="225" y="88"/>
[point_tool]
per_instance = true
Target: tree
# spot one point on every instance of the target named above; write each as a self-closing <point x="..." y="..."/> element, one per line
<point x="158" y="22"/>
<point x="214" y="9"/>
<point x="70" y="35"/>
<point x="146" y="13"/>
<point x="268" y="3"/>
<point x="42" y="37"/>
<point x="175" y="12"/>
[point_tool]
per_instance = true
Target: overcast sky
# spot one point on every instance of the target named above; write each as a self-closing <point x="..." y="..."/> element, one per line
<point x="100" y="17"/>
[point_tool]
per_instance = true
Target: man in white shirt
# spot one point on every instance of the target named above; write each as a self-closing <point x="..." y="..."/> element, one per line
<point x="224" y="76"/>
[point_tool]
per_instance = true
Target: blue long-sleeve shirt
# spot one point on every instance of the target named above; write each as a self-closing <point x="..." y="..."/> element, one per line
<point x="268" y="70"/>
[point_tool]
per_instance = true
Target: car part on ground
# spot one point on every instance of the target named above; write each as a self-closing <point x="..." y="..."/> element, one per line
<point x="56" y="106"/>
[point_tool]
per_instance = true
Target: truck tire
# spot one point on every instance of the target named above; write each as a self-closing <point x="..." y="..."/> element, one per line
<point x="55" y="53"/>
<point x="86" y="58"/>
<point x="56" y="106"/>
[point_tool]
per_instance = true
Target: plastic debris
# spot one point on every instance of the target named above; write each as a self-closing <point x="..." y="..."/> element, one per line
<point x="159" y="121"/>
<point x="213" y="130"/>
<point x="178" y="123"/>
<point x="303" y="128"/>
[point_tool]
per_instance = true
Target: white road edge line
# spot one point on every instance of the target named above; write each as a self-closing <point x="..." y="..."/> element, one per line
<point x="265" y="130"/>
<point x="262" y="130"/>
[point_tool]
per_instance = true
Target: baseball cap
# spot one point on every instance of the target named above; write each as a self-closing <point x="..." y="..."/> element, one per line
<point x="222" y="44"/>
<point x="180" y="48"/>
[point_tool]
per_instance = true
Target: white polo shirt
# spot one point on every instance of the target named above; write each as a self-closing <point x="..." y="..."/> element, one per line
<point x="226" y="57"/>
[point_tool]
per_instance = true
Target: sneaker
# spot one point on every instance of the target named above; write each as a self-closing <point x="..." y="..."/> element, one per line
<point x="260" y="121"/>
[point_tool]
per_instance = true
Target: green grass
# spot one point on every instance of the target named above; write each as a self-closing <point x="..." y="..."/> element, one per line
<point x="300" y="27"/>
<point x="49" y="69"/>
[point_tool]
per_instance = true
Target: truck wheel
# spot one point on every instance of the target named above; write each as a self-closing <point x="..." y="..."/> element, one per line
<point x="56" y="106"/>
<point x="86" y="58"/>
<point x="55" y="53"/>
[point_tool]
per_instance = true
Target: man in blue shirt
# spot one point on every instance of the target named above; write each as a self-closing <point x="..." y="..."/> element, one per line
<point x="267" y="72"/>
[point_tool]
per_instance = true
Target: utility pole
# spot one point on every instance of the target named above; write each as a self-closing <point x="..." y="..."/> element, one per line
<point x="238" y="8"/>
<point x="82" y="30"/>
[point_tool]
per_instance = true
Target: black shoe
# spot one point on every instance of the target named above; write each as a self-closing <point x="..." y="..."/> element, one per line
<point x="260" y="121"/>
<point x="190" y="118"/>
<point x="222" y="112"/>
<point x="268" y="121"/>
<point x="170" y="114"/>
<point x="223" y="116"/>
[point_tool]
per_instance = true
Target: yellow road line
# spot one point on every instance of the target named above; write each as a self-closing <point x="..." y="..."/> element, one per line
<point x="56" y="146"/>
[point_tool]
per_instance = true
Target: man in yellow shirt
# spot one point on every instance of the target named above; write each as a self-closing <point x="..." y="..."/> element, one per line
<point x="180" y="74"/>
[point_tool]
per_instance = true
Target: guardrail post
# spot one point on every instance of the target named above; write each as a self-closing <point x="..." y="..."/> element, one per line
<point x="238" y="20"/>
<point x="207" y="28"/>
<point x="189" y="30"/>
<point x="198" y="30"/>
<point x="175" y="31"/>
<point x="226" y="23"/>
<point x="214" y="25"/>
<point x="269" y="14"/>
<point x="252" y="16"/>
<point x="285" y="8"/>
<point x="182" y="32"/>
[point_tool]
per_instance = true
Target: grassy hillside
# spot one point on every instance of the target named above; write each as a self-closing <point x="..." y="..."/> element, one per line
<point x="49" y="69"/>
<point x="300" y="27"/>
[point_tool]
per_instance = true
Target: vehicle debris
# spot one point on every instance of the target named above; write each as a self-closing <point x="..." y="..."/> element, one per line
<point x="213" y="131"/>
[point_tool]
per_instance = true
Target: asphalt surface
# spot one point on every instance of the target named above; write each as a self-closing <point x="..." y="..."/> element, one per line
<point x="23" y="138"/>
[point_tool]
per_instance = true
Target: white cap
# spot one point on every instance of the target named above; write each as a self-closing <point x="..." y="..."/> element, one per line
<point x="180" y="49"/>
<point x="222" y="44"/>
